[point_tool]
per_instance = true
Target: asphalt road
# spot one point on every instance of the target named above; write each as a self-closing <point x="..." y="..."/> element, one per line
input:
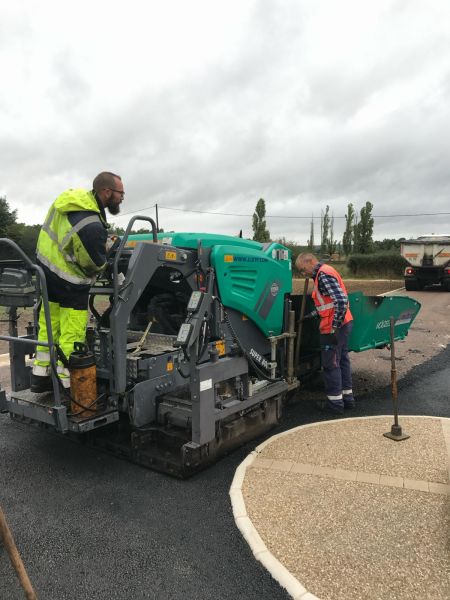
<point x="91" y="526"/>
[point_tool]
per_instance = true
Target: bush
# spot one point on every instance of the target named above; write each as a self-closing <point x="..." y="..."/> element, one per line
<point x="378" y="263"/>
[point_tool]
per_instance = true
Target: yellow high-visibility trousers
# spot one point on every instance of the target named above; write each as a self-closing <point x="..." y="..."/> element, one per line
<point x="68" y="326"/>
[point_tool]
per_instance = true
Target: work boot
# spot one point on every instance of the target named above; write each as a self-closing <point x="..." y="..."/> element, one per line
<point x="335" y="406"/>
<point x="349" y="401"/>
<point x="40" y="383"/>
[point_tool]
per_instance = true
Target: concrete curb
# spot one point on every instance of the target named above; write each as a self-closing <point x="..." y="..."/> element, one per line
<point x="253" y="539"/>
<point x="278" y="571"/>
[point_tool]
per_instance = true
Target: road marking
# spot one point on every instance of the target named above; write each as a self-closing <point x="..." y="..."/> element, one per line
<point x="391" y="291"/>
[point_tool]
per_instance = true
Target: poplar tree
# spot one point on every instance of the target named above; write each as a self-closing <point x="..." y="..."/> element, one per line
<point x="260" y="233"/>
<point x="347" y="239"/>
<point x="331" y="242"/>
<point x="325" y="226"/>
<point x="363" y="231"/>
<point x="311" y="235"/>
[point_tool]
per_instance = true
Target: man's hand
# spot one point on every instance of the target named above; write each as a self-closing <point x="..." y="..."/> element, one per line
<point x="310" y="315"/>
<point x="112" y="243"/>
<point x="328" y="339"/>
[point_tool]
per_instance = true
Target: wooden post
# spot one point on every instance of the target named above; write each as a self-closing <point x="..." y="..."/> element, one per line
<point x="15" y="559"/>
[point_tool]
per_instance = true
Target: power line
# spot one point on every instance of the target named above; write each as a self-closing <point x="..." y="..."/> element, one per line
<point x="132" y="212"/>
<point x="226" y="214"/>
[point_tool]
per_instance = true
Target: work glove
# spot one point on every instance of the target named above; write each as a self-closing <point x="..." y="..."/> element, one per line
<point x="328" y="339"/>
<point x="310" y="315"/>
<point x="112" y="243"/>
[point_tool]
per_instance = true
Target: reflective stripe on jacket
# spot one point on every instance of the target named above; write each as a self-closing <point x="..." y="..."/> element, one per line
<point x="324" y="304"/>
<point x="59" y="246"/>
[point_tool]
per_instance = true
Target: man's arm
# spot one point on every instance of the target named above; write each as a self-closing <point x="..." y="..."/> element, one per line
<point x="89" y="242"/>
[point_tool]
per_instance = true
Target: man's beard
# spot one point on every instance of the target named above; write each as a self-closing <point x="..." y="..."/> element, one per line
<point x="113" y="209"/>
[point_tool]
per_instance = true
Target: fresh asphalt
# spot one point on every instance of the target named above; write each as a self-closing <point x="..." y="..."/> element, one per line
<point x="90" y="526"/>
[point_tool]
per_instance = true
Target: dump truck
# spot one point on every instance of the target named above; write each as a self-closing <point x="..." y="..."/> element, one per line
<point x="428" y="260"/>
<point x="195" y="342"/>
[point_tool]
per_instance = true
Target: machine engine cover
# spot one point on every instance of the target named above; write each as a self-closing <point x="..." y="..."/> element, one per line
<point x="16" y="287"/>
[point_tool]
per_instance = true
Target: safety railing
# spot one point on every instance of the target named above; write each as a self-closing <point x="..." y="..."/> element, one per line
<point x="122" y="244"/>
<point x="42" y="287"/>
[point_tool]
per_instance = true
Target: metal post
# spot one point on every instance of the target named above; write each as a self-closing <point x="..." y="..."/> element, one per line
<point x="290" y="348"/>
<point x="300" y="323"/>
<point x="157" y="219"/>
<point x="396" y="430"/>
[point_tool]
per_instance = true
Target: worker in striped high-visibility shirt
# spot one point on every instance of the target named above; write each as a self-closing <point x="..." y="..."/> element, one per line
<point x="332" y="307"/>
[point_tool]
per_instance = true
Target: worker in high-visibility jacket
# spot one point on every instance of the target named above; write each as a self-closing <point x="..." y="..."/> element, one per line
<point x="332" y="307"/>
<point x="71" y="250"/>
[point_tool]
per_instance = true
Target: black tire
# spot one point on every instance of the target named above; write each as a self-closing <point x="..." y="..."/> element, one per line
<point x="412" y="285"/>
<point x="446" y="285"/>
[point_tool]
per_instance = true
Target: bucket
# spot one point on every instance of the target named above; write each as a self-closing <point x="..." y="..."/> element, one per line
<point x="83" y="380"/>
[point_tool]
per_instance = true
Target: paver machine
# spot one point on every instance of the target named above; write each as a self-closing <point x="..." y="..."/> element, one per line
<point x="194" y="341"/>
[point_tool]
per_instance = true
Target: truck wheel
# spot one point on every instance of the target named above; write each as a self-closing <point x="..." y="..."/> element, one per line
<point x="411" y="285"/>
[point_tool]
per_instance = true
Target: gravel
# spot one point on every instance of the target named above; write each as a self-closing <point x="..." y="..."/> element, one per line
<point x="345" y="540"/>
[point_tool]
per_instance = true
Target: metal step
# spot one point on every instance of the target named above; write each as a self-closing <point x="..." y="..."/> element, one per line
<point x="41" y="408"/>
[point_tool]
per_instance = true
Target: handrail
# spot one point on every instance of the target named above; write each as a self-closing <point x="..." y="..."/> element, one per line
<point x="45" y="303"/>
<point x="123" y="241"/>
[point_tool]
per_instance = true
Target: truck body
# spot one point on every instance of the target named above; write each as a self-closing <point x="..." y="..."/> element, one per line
<point x="428" y="260"/>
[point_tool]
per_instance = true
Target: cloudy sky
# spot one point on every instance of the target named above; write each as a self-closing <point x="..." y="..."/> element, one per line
<point x="209" y="105"/>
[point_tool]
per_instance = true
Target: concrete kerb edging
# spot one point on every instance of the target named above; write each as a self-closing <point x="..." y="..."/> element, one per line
<point x="278" y="571"/>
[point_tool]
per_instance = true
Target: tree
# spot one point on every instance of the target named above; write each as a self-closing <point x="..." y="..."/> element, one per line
<point x="260" y="233"/>
<point x="7" y="217"/>
<point x="363" y="231"/>
<point x="311" y="236"/>
<point x="347" y="239"/>
<point x="325" y="227"/>
<point x="387" y="244"/>
<point x="356" y="235"/>
<point x="26" y="237"/>
<point x="331" y="242"/>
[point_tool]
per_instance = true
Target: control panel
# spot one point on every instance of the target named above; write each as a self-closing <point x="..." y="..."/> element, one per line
<point x="194" y="302"/>
<point x="183" y="334"/>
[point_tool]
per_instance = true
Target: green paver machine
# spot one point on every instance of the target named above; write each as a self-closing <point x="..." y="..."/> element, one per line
<point x="195" y="342"/>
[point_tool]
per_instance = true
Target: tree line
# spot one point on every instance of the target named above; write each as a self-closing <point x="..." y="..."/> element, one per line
<point x="357" y="237"/>
<point x="24" y="235"/>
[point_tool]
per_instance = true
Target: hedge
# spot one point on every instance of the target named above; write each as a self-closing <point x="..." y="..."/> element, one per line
<point x="378" y="263"/>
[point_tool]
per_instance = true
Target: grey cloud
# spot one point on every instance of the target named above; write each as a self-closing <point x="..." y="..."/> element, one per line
<point x="262" y="122"/>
